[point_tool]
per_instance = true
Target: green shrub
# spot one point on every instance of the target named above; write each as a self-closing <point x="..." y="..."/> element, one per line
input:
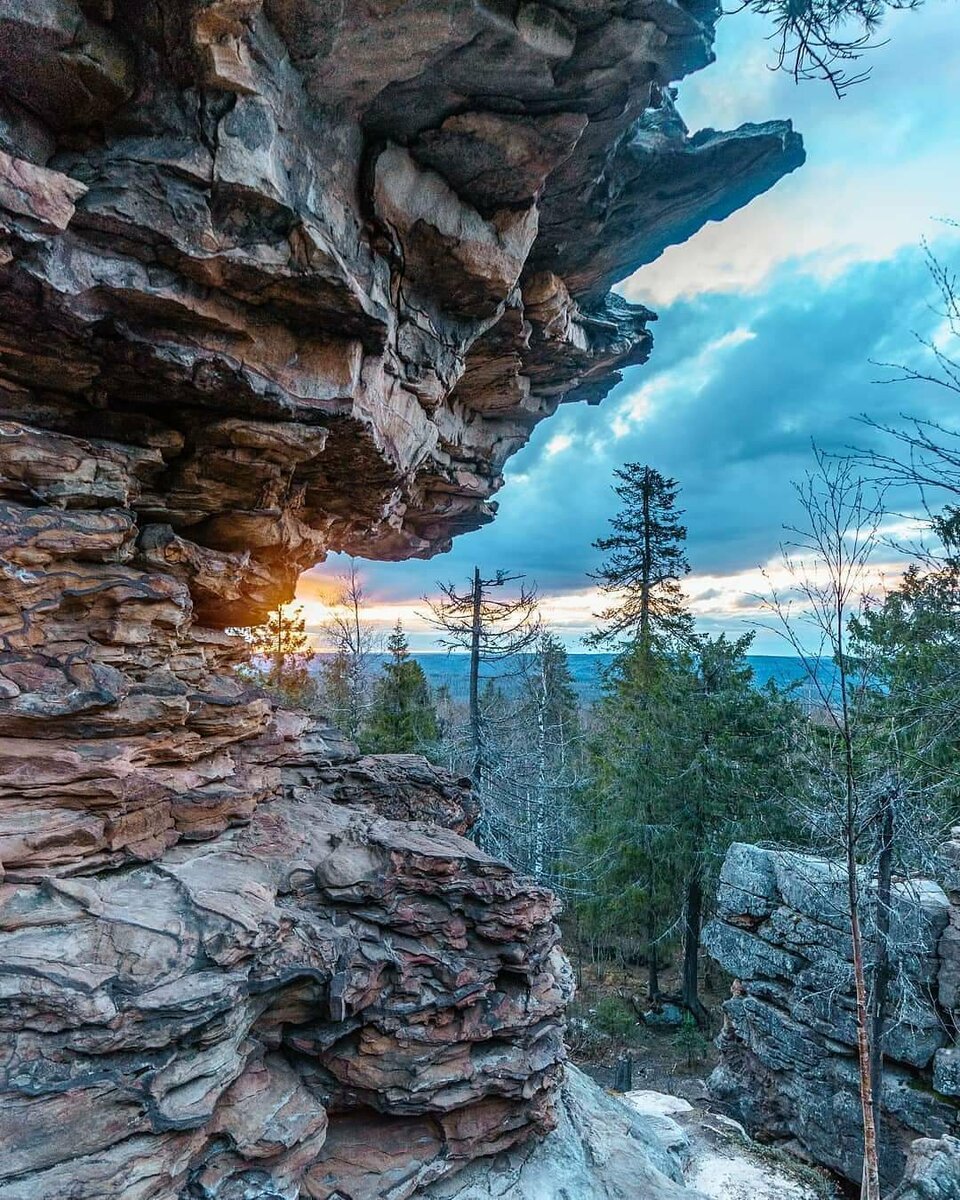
<point x="690" y="1041"/>
<point x="615" y="1017"/>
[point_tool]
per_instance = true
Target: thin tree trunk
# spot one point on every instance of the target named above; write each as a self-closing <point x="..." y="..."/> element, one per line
<point x="647" y="567"/>
<point x="475" y="730"/>
<point x="540" y="817"/>
<point x="693" y="919"/>
<point x="870" y="1186"/>
<point x="653" y="977"/>
<point x="881" y="970"/>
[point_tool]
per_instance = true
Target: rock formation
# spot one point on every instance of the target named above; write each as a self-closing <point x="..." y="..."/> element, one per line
<point x="787" y="1049"/>
<point x="279" y="277"/>
<point x="600" y="1150"/>
<point x="932" y="1171"/>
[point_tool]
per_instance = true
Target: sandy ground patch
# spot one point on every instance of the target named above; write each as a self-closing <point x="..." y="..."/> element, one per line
<point x="723" y="1165"/>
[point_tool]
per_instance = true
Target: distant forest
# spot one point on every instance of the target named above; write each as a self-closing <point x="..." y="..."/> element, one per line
<point x="452" y="671"/>
<point x="621" y="778"/>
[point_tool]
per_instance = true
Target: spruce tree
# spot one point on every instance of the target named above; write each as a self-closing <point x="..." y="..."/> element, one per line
<point x="734" y="756"/>
<point x="907" y="646"/>
<point x="686" y="751"/>
<point x="688" y="756"/>
<point x="626" y="813"/>
<point x="402" y="717"/>
<point x="645" y="560"/>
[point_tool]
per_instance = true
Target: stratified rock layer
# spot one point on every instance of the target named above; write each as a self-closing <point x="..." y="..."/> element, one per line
<point x="788" y="1046"/>
<point x="279" y="277"/>
<point x="600" y="1150"/>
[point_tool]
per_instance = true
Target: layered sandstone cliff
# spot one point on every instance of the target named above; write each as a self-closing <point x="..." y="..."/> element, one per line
<point x="788" y="1047"/>
<point x="279" y="277"/>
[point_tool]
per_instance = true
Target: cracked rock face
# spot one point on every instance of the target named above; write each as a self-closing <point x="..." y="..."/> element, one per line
<point x="280" y="277"/>
<point x="788" y="1045"/>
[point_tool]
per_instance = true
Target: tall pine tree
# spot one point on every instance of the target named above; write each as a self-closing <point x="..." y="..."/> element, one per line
<point x="645" y="560"/>
<point x="686" y="752"/>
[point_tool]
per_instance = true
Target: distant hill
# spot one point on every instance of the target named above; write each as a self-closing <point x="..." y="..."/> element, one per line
<point x="453" y="671"/>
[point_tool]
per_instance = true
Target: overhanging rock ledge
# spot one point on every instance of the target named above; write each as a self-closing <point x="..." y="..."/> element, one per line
<point x="280" y="277"/>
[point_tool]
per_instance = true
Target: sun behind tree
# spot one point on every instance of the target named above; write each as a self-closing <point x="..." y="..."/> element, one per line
<point x="281" y="654"/>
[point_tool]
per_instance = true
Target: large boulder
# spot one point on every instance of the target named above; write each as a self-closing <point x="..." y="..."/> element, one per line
<point x="600" y="1150"/>
<point x="933" y="1171"/>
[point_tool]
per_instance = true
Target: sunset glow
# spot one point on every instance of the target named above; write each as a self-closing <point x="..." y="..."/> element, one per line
<point x="737" y="602"/>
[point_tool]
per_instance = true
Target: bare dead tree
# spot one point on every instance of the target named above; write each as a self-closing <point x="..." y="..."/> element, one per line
<point x="828" y="562"/>
<point x="491" y="629"/>
<point x="350" y="642"/>
<point x="534" y="739"/>
<point x="867" y="803"/>
<point x="924" y="454"/>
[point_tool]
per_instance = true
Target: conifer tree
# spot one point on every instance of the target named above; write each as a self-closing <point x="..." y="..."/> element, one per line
<point x="686" y="751"/>
<point x="281" y="655"/>
<point x="645" y="560"/>
<point x="402" y="717"/>
<point x="734" y="758"/>
<point x="687" y="757"/>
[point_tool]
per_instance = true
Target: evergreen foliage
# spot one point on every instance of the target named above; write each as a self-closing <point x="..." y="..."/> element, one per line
<point x="645" y="560"/>
<point x="908" y="647"/>
<point x="280" y="655"/>
<point x="687" y="757"/>
<point x="402" y="717"/>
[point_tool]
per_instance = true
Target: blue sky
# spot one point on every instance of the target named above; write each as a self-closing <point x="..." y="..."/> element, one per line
<point x="768" y="325"/>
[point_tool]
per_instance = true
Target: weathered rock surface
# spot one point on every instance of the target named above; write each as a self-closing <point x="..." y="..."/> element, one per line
<point x="600" y="1150"/>
<point x="279" y="277"/>
<point x="788" y="1045"/>
<point x="251" y="1008"/>
<point x="933" y="1170"/>
<point x="308" y="273"/>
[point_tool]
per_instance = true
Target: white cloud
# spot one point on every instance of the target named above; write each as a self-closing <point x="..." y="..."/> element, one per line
<point x="682" y="382"/>
<point x="558" y="443"/>
<point x="734" y="602"/>
<point x="882" y="163"/>
<point x="821" y="221"/>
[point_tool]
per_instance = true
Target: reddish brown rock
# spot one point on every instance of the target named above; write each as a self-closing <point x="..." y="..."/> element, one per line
<point x="279" y="278"/>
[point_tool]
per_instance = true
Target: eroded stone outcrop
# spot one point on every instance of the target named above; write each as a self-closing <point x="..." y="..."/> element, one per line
<point x="600" y="1150"/>
<point x="280" y="277"/>
<point x="788" y="1046"/>
<point x="322" y="1001"/>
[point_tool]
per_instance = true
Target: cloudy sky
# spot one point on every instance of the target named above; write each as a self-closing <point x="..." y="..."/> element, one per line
<point x="769" y="324"/>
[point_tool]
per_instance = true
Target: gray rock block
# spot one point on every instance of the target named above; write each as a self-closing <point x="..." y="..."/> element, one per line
<point x="788" y="1048"/>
